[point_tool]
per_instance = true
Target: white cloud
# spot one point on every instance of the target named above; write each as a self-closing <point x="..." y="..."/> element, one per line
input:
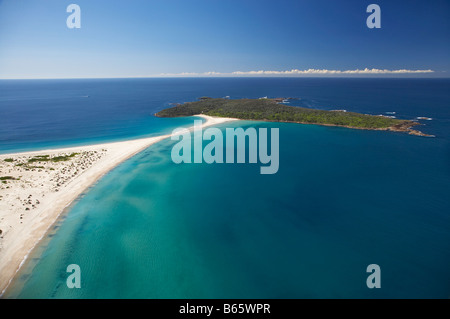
<point x="294" y="72"/>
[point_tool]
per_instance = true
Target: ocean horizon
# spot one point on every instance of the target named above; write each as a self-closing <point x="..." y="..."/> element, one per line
<point x="342" y="199"/>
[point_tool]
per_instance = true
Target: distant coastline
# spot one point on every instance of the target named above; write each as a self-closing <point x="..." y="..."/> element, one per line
<point x="273" y="110"/>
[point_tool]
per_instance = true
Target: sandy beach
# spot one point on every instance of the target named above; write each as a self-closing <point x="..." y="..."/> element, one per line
<point x="35" y="187"/>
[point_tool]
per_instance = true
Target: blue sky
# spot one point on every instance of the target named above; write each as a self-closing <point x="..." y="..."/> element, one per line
<point x="152" y="37"/>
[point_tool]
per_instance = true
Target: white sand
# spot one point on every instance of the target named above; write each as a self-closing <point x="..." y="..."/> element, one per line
<point x="30" y="205"/>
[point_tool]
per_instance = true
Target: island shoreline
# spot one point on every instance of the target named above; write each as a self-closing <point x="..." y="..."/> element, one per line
<point x="271" y="110"/>
<point x="405" y="129"/>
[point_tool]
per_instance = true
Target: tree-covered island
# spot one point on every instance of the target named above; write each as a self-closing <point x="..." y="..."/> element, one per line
<point x="271" y="110"/>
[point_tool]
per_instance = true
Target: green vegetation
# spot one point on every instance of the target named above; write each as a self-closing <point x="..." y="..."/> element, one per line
<point x="47" y="158"/>
<point x="269" y="110"/>
<point x="26" y="166"/>
<point x="63" y="158"/>
<point x="9" y="160"/>
<point x="39" y="158"/>
<point x="7" y="178"/>
<point x="4" y="178"/>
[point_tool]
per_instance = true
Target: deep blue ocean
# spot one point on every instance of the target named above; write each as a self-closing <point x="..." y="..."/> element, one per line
<point x="341" y="200"/>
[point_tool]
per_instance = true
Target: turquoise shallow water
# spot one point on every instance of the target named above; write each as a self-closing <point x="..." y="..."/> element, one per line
<point x="342" y="199"/>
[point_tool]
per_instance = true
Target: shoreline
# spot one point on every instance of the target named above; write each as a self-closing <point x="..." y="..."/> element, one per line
<point x="271" y="110"/>
<point x="406" y="129"/>
<point x="399" y="129"/>
<point x="32" y="198"/>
